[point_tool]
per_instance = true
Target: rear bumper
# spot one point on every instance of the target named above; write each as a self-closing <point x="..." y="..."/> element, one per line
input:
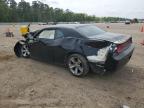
<point x="114" y="62"/>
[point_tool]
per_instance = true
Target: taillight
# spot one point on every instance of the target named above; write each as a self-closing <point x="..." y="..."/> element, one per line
<point x="123" y="46"/>
<point x="120" y="48"/>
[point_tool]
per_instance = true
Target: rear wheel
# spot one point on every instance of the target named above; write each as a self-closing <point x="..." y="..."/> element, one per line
<point x="25" y="51"/>
<point x="78" y="65"/>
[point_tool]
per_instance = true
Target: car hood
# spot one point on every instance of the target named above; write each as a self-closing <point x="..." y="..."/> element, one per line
<point x="111" y="37"/>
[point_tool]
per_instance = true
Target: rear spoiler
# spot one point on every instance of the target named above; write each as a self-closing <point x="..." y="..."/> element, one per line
<point x="123" y="40"/>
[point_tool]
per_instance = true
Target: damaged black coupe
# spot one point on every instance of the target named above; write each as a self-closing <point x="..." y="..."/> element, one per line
<point x="80" y="47"/>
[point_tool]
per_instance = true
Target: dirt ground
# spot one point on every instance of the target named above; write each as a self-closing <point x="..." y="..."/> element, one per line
<point x="26" y="83"/>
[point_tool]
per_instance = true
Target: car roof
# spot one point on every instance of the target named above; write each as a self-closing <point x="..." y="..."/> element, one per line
<point x="72" y="26"/>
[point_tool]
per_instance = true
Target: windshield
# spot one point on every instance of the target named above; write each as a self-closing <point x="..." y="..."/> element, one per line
<point x="90" y="30"/>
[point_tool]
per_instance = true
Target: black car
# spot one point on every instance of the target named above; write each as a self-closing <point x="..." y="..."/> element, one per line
<point x="80" y="47"/>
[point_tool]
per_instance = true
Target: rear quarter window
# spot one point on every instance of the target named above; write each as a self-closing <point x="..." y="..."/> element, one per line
<point x="89" y="30"/>
<point x="72" y="33"/>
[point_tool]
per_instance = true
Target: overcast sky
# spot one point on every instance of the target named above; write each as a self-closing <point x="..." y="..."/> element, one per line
<point x="120" y="8"/>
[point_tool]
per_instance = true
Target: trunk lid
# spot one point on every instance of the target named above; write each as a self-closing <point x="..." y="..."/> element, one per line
<point x="111" y="37"/>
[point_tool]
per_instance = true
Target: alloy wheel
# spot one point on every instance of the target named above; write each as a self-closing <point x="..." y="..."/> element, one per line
<point x="24" y="51"/>
<point x="76" y="66"/>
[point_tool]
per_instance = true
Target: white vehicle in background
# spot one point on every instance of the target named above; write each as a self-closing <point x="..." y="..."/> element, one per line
<point x="127" y="22"/>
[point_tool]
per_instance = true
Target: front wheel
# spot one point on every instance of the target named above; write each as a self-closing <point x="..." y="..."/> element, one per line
<point x="78" y="65"/>
<point x="25" y="51"/>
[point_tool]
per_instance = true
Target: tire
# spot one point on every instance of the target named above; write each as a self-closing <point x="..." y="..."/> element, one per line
<point x="77" y="65"/>
<point x="25" y="51"/>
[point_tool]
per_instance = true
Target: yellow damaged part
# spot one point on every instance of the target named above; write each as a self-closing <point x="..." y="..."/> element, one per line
<point x="24" y="30"/>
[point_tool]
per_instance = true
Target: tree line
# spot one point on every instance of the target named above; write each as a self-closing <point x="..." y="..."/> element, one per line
<point x="11" y="11"/>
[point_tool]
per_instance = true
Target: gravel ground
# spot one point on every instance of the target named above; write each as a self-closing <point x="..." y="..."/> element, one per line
<point x="26" y="83"/>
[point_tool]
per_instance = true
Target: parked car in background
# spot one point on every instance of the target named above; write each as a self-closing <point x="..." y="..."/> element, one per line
<point x="127" y="22"/>
<point x="81" y="47"/>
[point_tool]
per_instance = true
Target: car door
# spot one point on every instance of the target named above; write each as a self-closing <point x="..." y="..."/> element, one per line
<point x="42" y="47"/>
<point x="59" y="51"/>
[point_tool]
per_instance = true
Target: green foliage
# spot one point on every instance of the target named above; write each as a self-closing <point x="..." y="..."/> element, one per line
<point x="10" y="11"/>
<point x="4" y="11"/>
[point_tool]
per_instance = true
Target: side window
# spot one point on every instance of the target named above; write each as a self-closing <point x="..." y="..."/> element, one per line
<point x="59" y="34"/>
<point x="47" y="34"/>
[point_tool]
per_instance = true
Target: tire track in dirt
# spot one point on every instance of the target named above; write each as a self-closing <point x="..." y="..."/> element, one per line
<point x="5" y="56"/>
